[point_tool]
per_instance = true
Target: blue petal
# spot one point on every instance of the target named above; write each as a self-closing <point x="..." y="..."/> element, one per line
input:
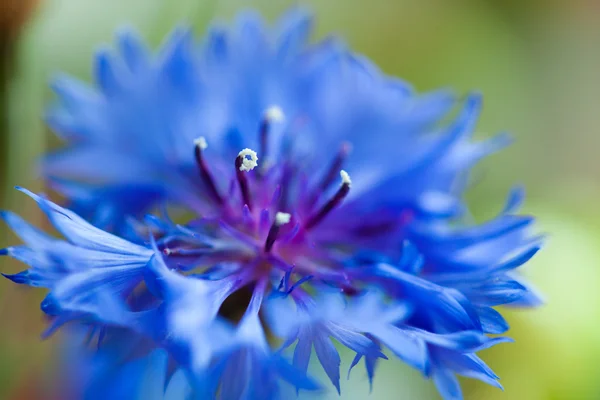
<point x="107" y="74"/>
<point x="294" y="376"/>
<point x="217" y="46"/>
<point x="439" y="303"/>
<point x="405" y="345"/>
<point x="515" y="200"/>
<point x="20" y="278"/>
<point x="302" y="353"/>
<point x="44" y="270"/>
<point x="497" y="293"/>
<point x="152" y="384"/>
<point x="531" y="298"/>
<point x="73" y="93"/>
<point x="177" y="58"/>
<point x="465" y="341"/>
<point x="435" y="204"/>
<point x="29" y="234"/>
<point x="492" y="321"/>
<point x="235" y="376"/>
<point x="81" y="233"/>
<point x="178" y="387"/>
<point x="371" y="364"/>
<point x="355" y="341"/>
<point x="329" y="358"/>
<point x="296" y="27"/>
<point x="133" y="49"/>
<point x="77" y="290"/>
<point x="447" y="384"/>
<point x="469" y="365"/>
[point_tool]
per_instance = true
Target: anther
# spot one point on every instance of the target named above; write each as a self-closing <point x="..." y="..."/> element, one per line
<point x="332" y="203"/>
<point x="345" y="178"/>
<point x="272" y="115"/>
<point x="201" y="143"/>
<point x="245" y="161"/>
<point x="280" y="220"/>
<point x="248" y="160"/>
<point x="199" y="146"/>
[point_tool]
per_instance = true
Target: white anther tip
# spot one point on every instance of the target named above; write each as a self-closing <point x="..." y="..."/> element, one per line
<point x="249" y="159"/>
<point x="282" y="218"/>
<point x="201" y="142"/>
<point x="345" y="178"/>
<point x="274" y="114"/>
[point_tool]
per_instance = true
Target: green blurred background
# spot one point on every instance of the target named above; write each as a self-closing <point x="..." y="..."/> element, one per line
<point x="535" y="61"/>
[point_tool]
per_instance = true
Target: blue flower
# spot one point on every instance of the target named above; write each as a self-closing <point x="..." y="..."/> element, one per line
<point x="311" y="200"/>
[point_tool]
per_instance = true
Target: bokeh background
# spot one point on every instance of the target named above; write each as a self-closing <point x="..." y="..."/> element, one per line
<point x="537" y="62"/>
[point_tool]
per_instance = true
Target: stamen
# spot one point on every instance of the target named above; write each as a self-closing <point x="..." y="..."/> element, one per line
<point x="199" y="146"/>
<point x="245" y="161"/>
<point x="332" y="172"/>
<point x="280" y="220"/>
<point x="273" y="114"/>
<point x="248" y="160"/>
<point x="332" y="203"/>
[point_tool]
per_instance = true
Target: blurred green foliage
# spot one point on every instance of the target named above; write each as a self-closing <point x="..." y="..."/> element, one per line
<point x="536" y="63"/>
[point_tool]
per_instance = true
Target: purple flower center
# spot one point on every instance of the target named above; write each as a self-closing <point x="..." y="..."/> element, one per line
<point x="277" y="217"/>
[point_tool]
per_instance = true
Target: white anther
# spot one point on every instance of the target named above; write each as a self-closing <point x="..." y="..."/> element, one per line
<point x="282" y="218"/>
<point x="274" y="114"/>
<point x="345" y="178"/>
<point x="248" y="164"/>
<point x="201" y="142"/>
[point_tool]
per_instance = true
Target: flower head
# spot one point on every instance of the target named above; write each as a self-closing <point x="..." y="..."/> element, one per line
<point x="326" y="206"/>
